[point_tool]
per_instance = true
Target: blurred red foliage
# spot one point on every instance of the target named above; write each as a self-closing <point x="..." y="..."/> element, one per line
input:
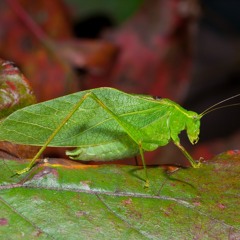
<point x="37" y="36"/>
<point x="153" y="49"/>
<point x="151" y="53"/>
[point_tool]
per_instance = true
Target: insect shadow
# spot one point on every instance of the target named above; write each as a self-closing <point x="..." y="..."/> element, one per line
<point x="167" y="175"/>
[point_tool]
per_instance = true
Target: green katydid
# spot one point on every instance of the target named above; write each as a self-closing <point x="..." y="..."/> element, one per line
<point x="104" y="124"/>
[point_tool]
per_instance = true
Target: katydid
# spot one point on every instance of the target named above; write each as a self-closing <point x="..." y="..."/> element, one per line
<point x="104" y="124"/>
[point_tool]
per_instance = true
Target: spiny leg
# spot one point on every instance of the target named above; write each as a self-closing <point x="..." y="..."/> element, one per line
<point x="132" y="132"/>
<point x="187" y="155"/>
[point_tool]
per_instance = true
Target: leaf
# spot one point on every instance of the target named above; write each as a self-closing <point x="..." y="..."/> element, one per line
<point x="74" y="201"/>
<point x="15" y="91"/>
<point x="95" y="56"/>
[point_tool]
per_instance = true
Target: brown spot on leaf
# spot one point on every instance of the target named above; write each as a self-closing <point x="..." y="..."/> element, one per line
<point x="46" y="171"/>
<point x="127" y="201"/>
<point x="133" y="213"/>
<point x="168" y="211"/>
<point x="81" y="213"/>
<point x="196" y="204"/>
<point x="3" y="222"/>
<point x="38" y="233"/>
<point x="85" y="184"/>
<point x="221" y="206"/>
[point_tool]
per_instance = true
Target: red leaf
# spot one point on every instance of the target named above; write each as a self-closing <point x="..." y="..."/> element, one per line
<point x="15" y="91"/>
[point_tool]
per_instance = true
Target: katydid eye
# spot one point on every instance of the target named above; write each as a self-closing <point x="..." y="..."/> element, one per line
<point x="195" y="117"/>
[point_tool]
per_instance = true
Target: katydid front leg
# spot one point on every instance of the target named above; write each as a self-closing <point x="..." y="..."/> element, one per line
<point x="131" y="131"/>
<point x="187" y="155"/>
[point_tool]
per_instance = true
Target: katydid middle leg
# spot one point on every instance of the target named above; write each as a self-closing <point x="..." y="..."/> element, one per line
<point x="50" y="138"/>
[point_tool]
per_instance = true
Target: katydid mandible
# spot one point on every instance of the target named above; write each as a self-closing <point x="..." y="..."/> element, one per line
<point x="104" y="124"/>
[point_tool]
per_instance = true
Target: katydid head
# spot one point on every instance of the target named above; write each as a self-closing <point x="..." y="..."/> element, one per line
<point x="193" y="119"/>
<point x="193" y="126"/>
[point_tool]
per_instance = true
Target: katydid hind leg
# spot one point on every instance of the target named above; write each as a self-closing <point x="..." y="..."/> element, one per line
<point x="187" y="155"/>
<point x="50" y="138"/>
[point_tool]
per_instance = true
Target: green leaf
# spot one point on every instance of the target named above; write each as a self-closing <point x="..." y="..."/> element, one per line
<point x="75" y="201"/>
